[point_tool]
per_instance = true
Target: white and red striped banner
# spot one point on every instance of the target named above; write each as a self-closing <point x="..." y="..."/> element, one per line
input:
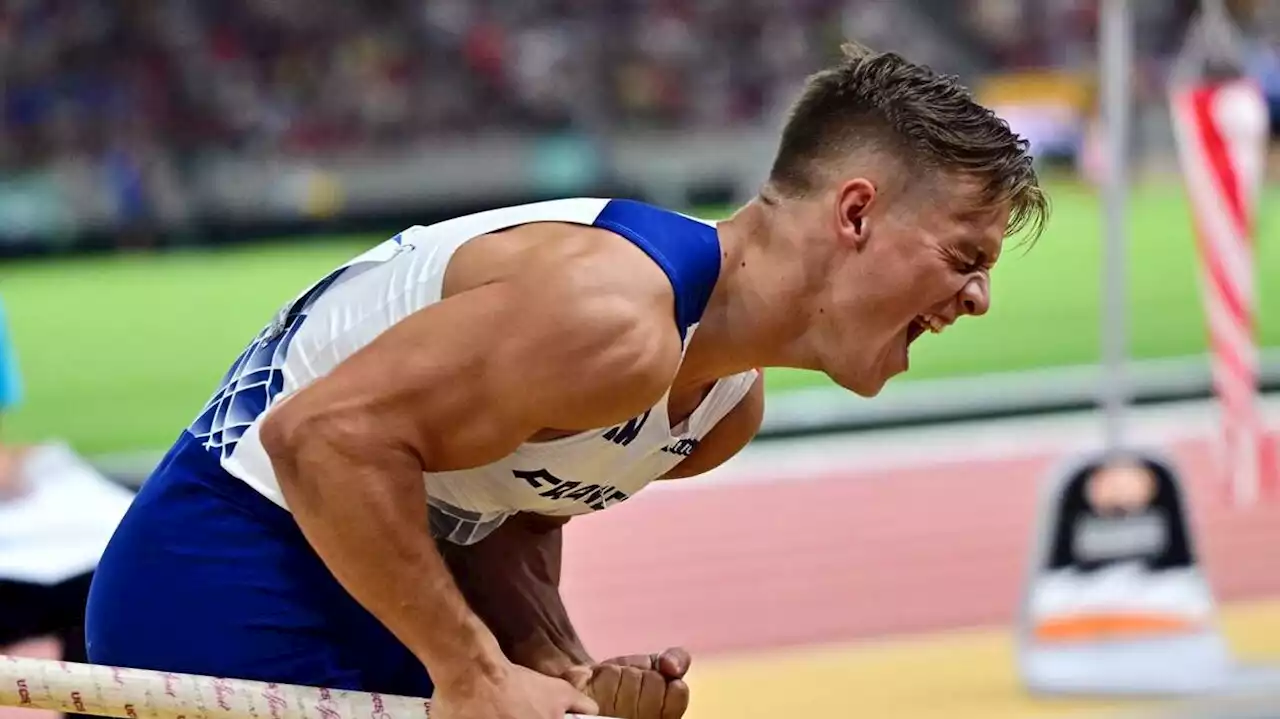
<point x="1222" y="133"/>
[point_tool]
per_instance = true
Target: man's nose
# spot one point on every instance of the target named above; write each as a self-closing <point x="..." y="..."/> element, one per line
<point x="975" y="297"/>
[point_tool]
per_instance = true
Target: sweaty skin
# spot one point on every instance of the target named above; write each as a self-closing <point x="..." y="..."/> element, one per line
<point x="511" y="579"/>
<point x="550" y="329"/>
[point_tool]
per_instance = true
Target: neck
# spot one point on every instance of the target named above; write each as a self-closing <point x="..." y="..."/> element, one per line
<point x="757" y="313"/>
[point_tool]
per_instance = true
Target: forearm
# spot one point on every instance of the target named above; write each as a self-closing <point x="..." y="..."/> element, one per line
<point x="512" y="580"/>
<point x="368" y="523"/>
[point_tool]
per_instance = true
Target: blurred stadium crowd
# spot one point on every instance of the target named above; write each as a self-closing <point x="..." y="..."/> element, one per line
<point x="112" y="109"/>
<point x="298" y="76"/>
<point x="100" y="77"/>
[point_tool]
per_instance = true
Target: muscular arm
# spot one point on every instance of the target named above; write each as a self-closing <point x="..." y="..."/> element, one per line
<point x="512" y="577"/>
<point x="458" y="384"/>
<point x="512" y="580"/>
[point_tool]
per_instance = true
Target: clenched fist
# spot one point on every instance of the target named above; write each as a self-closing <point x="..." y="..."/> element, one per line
<point x="642" y="686"/>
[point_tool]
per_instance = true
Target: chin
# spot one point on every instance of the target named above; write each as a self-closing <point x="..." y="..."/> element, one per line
<point x="867" y="387"/>
<point x="866" y="373"/>
<point x="872" y="389"/>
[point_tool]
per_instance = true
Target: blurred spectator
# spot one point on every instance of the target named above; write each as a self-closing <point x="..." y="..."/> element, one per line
<point x="141" y="89"/>
<point x="1264" y="65"/>
<point x="84" y="77"/>
<point x="56" y="515"/>
<point x="10" y="379"/>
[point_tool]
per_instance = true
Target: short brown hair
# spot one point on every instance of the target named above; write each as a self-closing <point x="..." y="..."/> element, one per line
<point x="929" y="121"/>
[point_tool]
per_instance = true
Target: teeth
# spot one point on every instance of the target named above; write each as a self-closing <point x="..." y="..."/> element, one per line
<point x="933" y="323"/>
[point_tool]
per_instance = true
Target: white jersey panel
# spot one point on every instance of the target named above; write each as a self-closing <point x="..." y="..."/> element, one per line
<point x="348" y="309"/>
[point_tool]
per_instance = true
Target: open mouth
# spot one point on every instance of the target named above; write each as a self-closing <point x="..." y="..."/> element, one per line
<point x="914" y="330"/>
<point x="924" y="323"/>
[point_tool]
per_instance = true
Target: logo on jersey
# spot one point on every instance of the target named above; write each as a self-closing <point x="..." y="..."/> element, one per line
<point x="595" y="496"/>
<point x="681" y="447"/>
<point x="625" y="434"/>
<point x="279" y="323"/>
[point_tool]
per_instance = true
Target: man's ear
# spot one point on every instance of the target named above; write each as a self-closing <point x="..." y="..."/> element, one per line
<point x="854" y="200"/>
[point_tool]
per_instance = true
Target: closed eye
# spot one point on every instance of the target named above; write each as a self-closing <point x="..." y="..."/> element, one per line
<point x="969" y="266"/>
<point x="980" y="263"/>
<point x="969" y="260"/>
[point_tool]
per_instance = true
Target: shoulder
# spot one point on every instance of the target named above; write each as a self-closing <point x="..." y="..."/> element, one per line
<point x="550" y="324"/>
<point x="614" y="312"/>
<point x="576" y="299"/>
<point x="614" y="241"/>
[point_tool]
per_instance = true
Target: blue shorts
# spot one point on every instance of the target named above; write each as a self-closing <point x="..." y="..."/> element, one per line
<point x="206" y="576"/>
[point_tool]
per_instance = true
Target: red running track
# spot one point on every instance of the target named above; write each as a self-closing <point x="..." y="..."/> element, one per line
<point x="810" y="559"/>
<point x="730" y="567"/>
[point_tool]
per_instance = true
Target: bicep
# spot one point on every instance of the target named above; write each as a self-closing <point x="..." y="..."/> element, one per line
<point x="733" y="432"/>
<point x="465" y="381"/>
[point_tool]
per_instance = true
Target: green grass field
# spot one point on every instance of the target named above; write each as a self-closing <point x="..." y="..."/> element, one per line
<point x="120" y="352"/>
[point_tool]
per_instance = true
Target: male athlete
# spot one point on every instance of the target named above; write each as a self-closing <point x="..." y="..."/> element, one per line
<point x="376" y="492"/>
